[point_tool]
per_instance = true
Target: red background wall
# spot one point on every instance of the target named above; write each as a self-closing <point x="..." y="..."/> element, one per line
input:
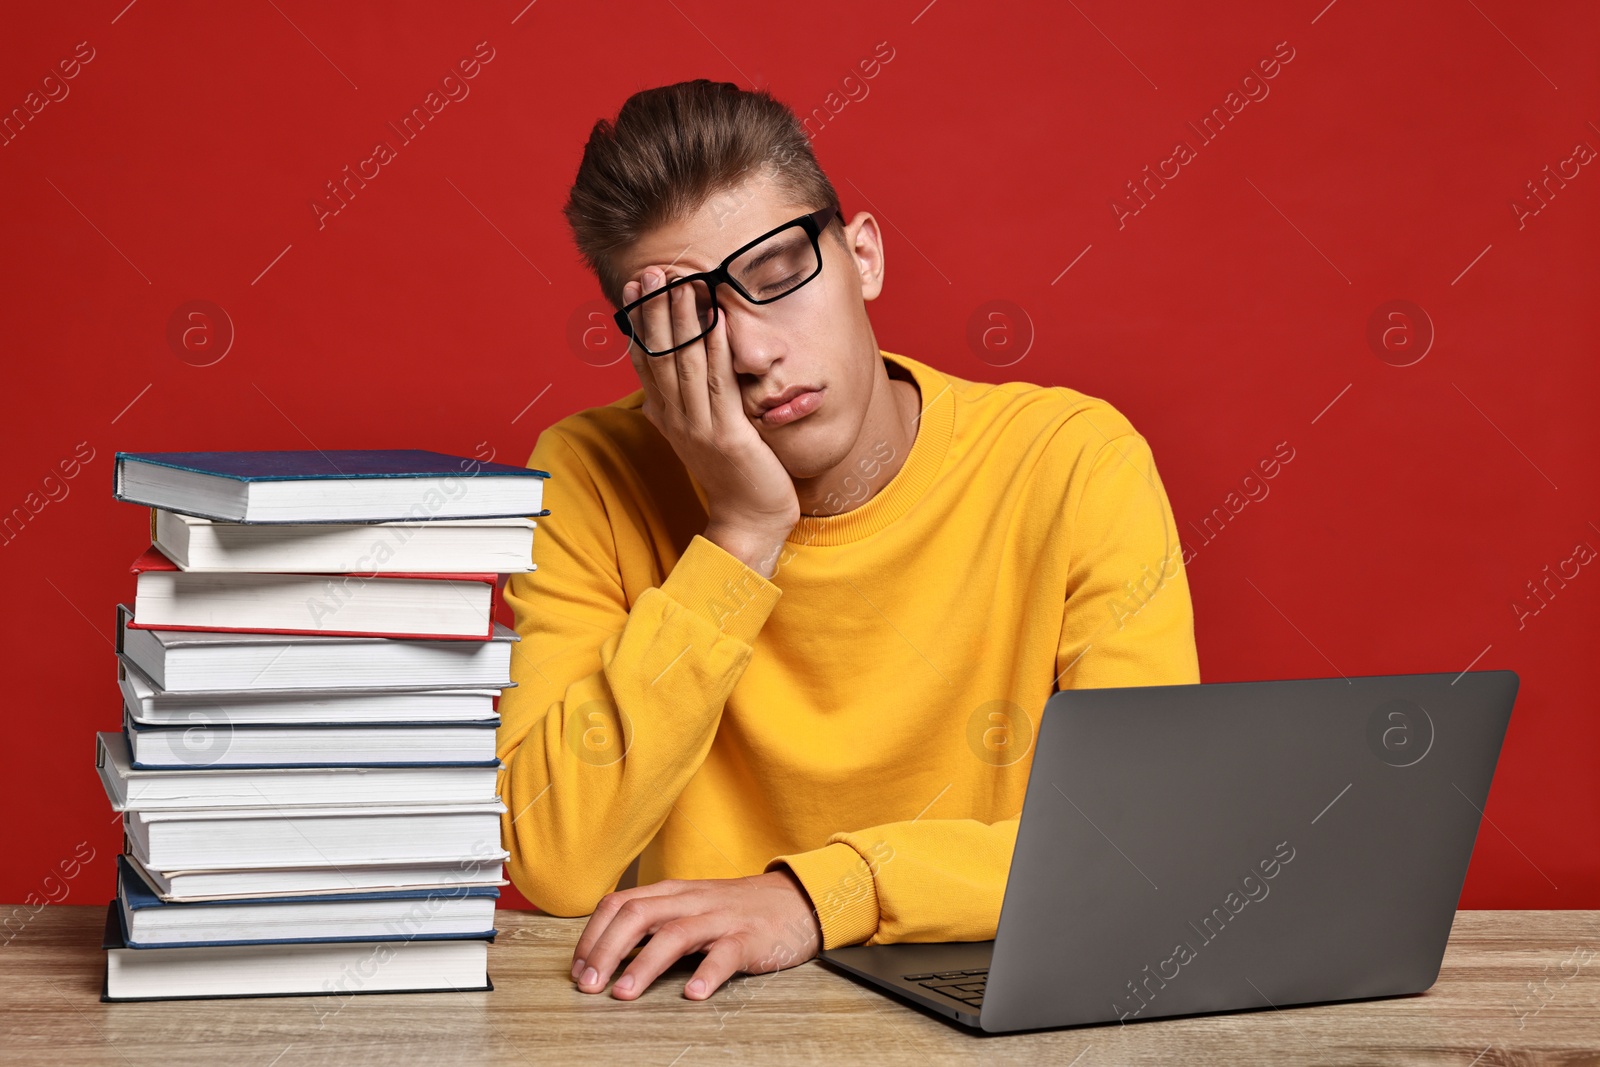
<point x="443" y="306"/>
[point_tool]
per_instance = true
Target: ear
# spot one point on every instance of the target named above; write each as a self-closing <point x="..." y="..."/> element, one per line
<point x="865" y="243"/>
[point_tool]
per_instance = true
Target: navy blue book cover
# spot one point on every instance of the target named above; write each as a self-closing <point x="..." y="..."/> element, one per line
<point x="139" y="896"/>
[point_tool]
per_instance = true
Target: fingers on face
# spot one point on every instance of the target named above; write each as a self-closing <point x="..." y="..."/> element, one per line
<point x="657" y="314"/>
<point x="722" y="388"/>
<point x="630" y="293"/>
<point x="695" y="382"/>
<point x="691" y="358"/>
<point x="658" y="325"/>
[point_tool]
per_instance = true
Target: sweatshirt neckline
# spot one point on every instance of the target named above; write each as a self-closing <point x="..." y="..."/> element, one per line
<point x="935" y="426"/>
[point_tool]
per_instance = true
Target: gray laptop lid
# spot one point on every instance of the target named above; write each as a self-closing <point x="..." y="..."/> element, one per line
<point x="1205" y="848"/>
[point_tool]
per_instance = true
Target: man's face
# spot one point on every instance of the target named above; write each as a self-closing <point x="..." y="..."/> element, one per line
<point x="817" y="336"/>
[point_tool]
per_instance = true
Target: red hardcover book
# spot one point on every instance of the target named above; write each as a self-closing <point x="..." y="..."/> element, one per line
<point x="434" y="606"/>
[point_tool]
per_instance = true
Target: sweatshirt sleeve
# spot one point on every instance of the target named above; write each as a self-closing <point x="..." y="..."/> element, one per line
<point x="1127" y="620"/>
<point x="615" y="705"/>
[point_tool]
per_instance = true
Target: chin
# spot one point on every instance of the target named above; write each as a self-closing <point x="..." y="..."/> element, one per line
<point x="806" y="455"/>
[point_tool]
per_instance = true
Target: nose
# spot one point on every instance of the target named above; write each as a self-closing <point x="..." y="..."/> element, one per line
<point x="753" y="340"/>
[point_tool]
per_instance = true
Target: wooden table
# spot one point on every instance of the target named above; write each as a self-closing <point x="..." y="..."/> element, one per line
<point x="50" y="977"/>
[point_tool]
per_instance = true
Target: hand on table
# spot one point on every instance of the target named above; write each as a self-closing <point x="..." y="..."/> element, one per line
<point x="755" y="924"/>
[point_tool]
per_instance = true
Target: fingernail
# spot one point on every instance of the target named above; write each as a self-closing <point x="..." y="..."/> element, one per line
<point x="590" y="977"/>
<point x="652" y="281"/>
<point x="577" y="968"/>
<point x="697" y="987"/>
<point x="624" y="984"/>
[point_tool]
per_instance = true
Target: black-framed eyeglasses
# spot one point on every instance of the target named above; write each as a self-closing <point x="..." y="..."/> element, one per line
<point x="768" y="268"/>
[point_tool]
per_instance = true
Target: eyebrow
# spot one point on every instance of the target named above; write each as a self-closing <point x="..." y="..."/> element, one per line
<point x="777" y="249"/>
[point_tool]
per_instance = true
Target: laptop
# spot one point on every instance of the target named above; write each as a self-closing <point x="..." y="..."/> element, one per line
<point x="1220" y="847"/>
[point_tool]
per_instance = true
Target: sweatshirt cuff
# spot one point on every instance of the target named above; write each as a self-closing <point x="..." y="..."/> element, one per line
<point x="719" y="587"/>
<point x="842" y="891"/>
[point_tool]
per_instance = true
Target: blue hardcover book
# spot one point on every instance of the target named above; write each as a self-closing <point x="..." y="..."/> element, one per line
<point x="328" y="486"/>
<point x="450" y="912"/>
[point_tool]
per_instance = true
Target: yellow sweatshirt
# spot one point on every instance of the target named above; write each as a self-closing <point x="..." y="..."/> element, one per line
<point x="866" y="716"/>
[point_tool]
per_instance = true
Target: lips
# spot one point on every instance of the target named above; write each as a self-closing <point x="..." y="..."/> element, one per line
<point x="793" y="403"/>
<point x="767" y="403"/>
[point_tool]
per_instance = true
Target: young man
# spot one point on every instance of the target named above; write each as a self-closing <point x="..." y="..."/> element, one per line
<point x="799" y="601"/>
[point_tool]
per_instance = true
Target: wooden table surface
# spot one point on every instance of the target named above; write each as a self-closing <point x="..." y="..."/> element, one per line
<point x="1517" y="987"/>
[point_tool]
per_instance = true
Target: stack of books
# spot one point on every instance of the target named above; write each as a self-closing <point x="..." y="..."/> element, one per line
<point x="306" y="767"/>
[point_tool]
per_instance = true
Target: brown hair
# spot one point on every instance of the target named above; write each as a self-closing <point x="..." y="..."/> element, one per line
<point x="670" y="150"/>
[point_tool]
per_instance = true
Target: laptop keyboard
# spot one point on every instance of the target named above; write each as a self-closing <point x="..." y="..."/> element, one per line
<point x="965" y="986"/>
